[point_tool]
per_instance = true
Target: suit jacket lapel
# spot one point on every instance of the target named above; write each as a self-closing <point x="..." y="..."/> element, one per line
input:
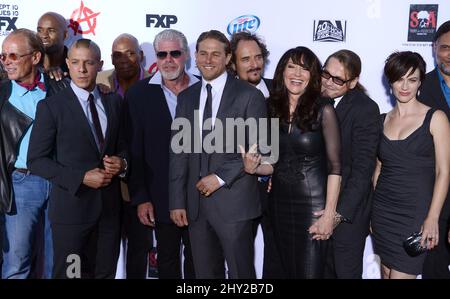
<point x="227" y="97"/>
<point x="79" y="114"/>
<point x="437" y="93"/>
<point x="343" y="106"/>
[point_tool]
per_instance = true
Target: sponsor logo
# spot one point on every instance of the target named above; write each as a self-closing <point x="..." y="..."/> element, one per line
<point x="83" y="20"/>
<point x="329" y="31"/>
<point x="160" y="21"/>
<point x="153" y="68"/>
<point x="9" y="13"/>
<point x="249" y="23"/>
<point x="422" y="22"/>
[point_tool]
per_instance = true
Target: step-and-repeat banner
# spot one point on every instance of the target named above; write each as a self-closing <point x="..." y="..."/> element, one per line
<point x="371" y="28"/>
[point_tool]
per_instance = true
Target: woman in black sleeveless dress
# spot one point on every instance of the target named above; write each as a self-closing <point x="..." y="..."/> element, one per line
<point x="412" y="175"/>
<point x="306" y="178"/>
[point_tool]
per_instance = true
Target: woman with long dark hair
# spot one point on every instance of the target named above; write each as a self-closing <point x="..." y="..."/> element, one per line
<point x="306" y="177"/>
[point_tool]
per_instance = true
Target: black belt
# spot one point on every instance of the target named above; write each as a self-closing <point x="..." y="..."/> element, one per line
<point x="22" y="170"/>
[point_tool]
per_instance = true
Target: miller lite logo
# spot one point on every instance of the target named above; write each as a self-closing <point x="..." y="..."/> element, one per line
<point x="249" y="23"/>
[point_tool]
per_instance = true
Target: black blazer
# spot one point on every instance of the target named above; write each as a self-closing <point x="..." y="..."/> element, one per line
<point x="238" y="199"/>
<point x="360" y="132"/>
<point x="62" y="149"/>
<point x="148" y="135"/>
<point x="431" y="93"/>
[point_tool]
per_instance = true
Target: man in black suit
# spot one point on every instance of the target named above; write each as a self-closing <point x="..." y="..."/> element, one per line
<point x="151" y="109"/>
<point x="359" y="122"/>
<point x="76" y="144"/>
<point x="207" y="186"/>
<point x="248" y="59"/>
<point x="435" y="92"/>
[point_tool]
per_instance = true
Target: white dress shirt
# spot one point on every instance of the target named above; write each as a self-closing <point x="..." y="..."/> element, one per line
<point x="217" y="85"/>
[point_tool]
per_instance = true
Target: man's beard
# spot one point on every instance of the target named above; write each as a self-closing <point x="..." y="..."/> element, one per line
<point x="443" y="69"/>
<point x="171" y="75"/>
<point x="256" y="81"/>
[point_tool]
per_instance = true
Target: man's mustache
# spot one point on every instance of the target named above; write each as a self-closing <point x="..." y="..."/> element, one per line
<point x="254" y="70"/>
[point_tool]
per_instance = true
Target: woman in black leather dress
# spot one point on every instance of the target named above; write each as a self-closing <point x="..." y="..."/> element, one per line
<point x="306" y="178"/>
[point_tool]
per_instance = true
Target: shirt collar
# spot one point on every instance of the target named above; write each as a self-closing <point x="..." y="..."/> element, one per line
<point x="217" y="83"/>
<point x="441" y="78"/>
<point x="21" y="91"/>
<point x="157" y="79"/>
<point x="262" y="86"/>
<point x="116" y="82"/>
<point x="83" y="94"/>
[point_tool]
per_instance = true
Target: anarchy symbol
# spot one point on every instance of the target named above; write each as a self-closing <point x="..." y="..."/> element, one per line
<point x="81" y="15"/>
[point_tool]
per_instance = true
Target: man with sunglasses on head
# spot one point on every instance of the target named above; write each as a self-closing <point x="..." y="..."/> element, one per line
<point x="151" y="109"/>
<point x="23" y="196"/>
<point x="127" y="58"/>
<point x="359" y="122"/>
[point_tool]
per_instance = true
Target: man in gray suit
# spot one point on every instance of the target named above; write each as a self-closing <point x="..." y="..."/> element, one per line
<point x="209" y="190"/>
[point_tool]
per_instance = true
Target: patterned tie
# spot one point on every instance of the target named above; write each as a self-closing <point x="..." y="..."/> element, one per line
<point x="96" y="121"/>
<point x="207" y="113"/>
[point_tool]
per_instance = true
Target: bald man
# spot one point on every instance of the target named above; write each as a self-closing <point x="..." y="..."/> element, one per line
<point x="127" y="58"/>
<point x="52" y="29"/>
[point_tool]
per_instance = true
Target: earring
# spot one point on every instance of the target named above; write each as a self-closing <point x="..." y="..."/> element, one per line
<point x="418" y="93"/>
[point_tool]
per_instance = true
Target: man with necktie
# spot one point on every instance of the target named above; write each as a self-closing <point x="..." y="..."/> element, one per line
<point x="77" y="144"/>
<point x="208" y="190"/>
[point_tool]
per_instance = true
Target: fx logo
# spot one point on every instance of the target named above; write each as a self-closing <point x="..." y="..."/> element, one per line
<point x="163" y="21"/>
<point x="7" y="21"/>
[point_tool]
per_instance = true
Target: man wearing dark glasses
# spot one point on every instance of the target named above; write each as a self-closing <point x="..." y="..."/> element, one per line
<point x="359" y="122"/>
<point x="23" y="196"/>
<point x="151" y="109"/>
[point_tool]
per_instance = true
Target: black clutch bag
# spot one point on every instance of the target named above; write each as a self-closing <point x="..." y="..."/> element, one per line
<point x="412" y="245"/>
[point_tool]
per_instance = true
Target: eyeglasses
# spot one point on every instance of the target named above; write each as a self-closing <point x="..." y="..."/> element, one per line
<point x="163" y="54"/>
<point x="337" y="80"/>
<point x="12" y="56"/>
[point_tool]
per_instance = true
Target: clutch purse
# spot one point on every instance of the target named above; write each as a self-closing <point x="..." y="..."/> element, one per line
<point x="412" y="245"/>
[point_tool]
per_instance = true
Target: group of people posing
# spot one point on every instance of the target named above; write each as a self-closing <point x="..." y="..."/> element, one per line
<point x="88" y="156"/>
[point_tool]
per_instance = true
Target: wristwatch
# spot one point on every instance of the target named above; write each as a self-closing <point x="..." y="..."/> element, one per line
<point x="339" y="218"/>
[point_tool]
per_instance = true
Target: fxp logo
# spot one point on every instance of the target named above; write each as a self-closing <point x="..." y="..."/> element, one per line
<point x="249" y="23"/>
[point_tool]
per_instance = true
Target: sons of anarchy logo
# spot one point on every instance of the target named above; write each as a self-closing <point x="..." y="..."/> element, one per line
<point x="9" y="13"/>
<point x="422" y="22"/>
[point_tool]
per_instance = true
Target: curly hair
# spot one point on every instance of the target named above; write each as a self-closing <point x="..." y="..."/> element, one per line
<point x="305" y="114"/>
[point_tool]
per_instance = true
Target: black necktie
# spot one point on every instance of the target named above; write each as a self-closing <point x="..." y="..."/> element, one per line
<point x="207" y="113"/>
<point x="96" y="121"/>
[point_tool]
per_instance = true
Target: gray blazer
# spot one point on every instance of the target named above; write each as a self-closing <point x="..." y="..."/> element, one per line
<point x="238" y="199"/>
